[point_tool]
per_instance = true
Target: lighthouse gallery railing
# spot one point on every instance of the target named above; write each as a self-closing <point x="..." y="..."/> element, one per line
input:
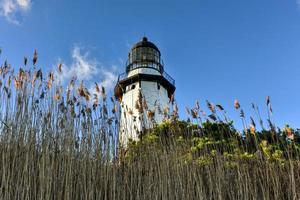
<point x="164" y="74"/>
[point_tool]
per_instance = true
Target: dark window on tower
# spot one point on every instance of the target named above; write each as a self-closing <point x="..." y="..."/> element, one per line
<point x="133" y="87"/>
<point x="158" y="86"/>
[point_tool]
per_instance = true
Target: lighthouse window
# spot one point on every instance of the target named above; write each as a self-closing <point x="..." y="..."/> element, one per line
<point x="133" y="86"/>
<point x="158" y="86"/>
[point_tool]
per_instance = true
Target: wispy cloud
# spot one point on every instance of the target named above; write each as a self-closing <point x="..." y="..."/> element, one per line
<point x="298" y="3"/>
<point x="10" y="9"/>
<point x="88" y="69"/>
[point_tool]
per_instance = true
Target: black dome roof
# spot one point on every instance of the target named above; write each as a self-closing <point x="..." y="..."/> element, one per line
<point x="145" y="43"/>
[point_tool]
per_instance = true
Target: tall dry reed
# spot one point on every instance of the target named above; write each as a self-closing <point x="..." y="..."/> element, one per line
<point x="64" y="145"/>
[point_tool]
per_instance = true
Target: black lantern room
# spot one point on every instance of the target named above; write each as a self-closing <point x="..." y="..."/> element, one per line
<point x="144" y="54"/>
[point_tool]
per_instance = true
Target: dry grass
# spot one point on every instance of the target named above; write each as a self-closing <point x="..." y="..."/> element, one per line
<point x="56" y="145"/>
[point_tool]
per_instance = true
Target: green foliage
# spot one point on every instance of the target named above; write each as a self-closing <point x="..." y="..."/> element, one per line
<point x="199" y="144"/>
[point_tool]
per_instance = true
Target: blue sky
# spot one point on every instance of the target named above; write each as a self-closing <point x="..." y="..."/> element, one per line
<point x="215" y="50"/>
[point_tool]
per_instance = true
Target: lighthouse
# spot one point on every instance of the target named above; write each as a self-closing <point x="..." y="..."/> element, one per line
<point x="144" y="91"/>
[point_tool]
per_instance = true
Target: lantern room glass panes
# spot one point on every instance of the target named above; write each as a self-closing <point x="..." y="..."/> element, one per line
<point x="144" y="57"/>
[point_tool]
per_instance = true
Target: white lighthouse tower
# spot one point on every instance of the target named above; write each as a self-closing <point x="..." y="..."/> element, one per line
<point x="144" y="91"/>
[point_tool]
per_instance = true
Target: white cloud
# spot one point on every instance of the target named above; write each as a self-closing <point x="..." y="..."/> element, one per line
<point x="10" y="8"/>
<point x="298" y="3"/>
<point x="109" y="78"/>
<point x="25" y="4"/>
<point x="83" y="68"/>
<point x="89" y="70"/>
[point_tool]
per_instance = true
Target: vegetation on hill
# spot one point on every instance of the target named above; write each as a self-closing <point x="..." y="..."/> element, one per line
<point x="62" y="143"/>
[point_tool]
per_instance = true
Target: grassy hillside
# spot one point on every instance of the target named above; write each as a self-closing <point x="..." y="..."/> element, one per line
<point x="62" y="143"/>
